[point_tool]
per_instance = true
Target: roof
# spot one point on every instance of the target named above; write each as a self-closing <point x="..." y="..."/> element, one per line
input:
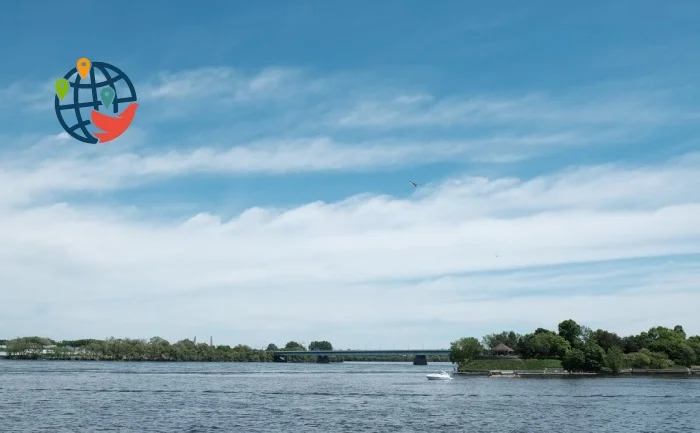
<point x="502" y="348"/>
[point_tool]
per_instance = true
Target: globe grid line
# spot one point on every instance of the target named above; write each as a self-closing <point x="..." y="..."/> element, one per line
<point x="94" y="88"/>
<point x="110" y="82"/>
<point x="78" y="115"/>
<point x="95" y="103"/>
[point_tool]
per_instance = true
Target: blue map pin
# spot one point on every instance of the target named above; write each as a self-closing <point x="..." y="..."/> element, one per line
<point x="107" y="96"/>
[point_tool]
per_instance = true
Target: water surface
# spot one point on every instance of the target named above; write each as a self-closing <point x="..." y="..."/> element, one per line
<point x="56" y="396"/>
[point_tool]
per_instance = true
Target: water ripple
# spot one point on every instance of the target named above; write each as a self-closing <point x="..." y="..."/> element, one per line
<point x="352" y="397"/>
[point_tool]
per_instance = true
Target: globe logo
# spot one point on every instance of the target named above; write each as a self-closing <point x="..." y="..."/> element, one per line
<point x="88" y="100"/>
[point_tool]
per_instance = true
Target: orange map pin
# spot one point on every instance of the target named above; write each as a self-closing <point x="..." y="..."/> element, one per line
<point x="83" y="66"/>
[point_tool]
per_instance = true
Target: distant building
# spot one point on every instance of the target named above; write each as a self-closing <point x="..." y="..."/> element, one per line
<point x="501" y="350"/>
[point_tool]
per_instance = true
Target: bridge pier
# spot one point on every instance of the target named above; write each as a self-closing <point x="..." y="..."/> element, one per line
<point x="277" y="358"/>
<point x="323" y="359"/>
<point x="420" y="360"/>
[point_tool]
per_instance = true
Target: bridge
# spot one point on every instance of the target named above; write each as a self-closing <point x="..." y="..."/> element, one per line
<point x="322" y="356"/>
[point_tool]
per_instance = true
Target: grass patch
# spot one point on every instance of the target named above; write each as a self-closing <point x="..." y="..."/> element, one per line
<point x="511" y="364"/>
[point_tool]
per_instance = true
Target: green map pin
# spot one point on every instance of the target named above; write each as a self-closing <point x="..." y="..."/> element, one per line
<point x="62" y="86"/>
<point x="107" y="96"/>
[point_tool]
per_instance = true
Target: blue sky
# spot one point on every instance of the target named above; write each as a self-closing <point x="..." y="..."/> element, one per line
<point x="261" y="194"/>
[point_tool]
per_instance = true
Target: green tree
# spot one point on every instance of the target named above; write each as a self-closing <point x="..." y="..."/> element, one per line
<point x="320" y="345"/>
<point x="635" y="343"/>
<point x="681" y="353"/>
<point x="586" y="334"/>
<point x="615" y="359"/>
<point x="157" y="349"/>
<point x="574" y="360"/>
<point x="672" y="342"/>
<point x="293" y="345"/>
<point x="272" y="347"/>
<point x="678" y="329"/>
<point x="660" y="333"/>
<point x="465" y="350"/>
<point x="27" y="347"/>
<point x="543" y="345"/>
<point x="570" y="331"/>
<point x="77" y="343"/>
<point x="595" y="357"/>
<point x="694" y="343"/>
<point x="59" y="352"/>
<point x="94" y="350"/>
<point x="509" y="338"/>
<point x="659" y="360"/>
<point x="42" y="341"/>
<point x="638" y="359"/>
<point x="607" y="340"/>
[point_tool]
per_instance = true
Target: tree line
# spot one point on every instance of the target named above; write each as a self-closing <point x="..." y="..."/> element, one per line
<point x="159" y="349"/>
<point x="126" y="349"/>
<point x="581" y="349"/>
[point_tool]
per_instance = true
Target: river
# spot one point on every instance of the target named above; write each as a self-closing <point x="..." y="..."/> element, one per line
<point x="73" y="396"/>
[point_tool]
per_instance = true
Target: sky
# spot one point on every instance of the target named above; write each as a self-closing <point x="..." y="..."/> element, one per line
<point x="262" y="191"/>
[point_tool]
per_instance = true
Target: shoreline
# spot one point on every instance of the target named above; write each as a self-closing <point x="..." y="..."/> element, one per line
<point x="690" y="372"/>
<point x="310" y="361"/>
<point x="638" y="373"/>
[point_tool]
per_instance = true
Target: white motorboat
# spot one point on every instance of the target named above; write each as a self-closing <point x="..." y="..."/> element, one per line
<point x="438" y="376"/>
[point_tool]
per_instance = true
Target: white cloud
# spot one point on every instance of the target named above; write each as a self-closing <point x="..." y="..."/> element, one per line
<point x="535" y="108"/>
<point x="99" y="168"/>
<point x="355" y="121"/>
<point x="179" y="94"/>
<point x="224" y="84"/>
<point x="365" y="262"/>
<point x="371" y="263"/>
<point x="37" y="96"/>
<point x="361" y="100"/>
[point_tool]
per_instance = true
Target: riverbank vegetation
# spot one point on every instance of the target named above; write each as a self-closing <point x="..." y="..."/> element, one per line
<point x="580" y="349"/>
<point x="159" y="349"/>
<point x="572" y="347"/>
<point x="155" y="349"/>
<point x="511" y="364"/>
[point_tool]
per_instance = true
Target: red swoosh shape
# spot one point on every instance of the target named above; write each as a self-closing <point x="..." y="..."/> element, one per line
<point x="113" y="127"/>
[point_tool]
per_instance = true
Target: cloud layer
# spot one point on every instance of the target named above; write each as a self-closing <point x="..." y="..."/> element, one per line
<point x="456" y="252"/>
<point x="462" y="255"/>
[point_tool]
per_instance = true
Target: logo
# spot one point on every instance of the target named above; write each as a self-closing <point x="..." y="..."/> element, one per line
<point x="89" y="99"/>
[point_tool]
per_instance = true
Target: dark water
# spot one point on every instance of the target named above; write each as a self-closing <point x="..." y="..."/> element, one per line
<point x="59" y="396"/>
